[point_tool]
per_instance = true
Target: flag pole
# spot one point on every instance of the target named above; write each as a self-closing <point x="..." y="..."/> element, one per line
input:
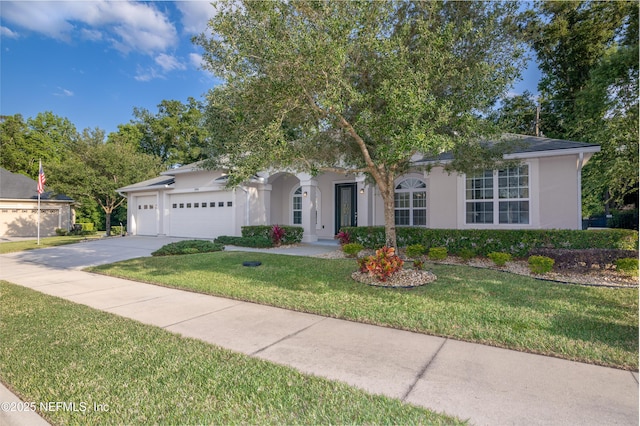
<point x="41" y="181"/>
<point x="38" y="218"/>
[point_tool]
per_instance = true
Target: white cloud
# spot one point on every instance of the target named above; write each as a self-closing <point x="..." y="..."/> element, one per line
<point x="6" y="32"/>
<point x="196" y="59"/>
<point x="63" y="92"/>
<point x="196" y="15"/>
<point x="169" y="63"/>
<point x="131" y="26"/>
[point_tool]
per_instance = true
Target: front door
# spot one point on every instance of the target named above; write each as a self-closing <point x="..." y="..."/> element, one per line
<point x="346" y="205"/>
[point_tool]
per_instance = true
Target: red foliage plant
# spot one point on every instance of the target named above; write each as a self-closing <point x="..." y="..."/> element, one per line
<point x="383" y="264"/>
<point x="343" y="237"/>
<point x="277" y="234"/>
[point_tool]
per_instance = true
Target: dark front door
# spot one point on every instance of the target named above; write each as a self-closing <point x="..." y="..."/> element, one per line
<point x="346" y="205"/>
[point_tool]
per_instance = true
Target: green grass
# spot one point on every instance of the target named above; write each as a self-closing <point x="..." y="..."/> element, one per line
<point x="14" y="246"/>
<point x="587" y="324"/>
<point x="54" y="350"/>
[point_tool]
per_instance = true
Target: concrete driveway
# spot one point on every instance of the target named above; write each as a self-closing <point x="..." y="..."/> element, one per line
<point x="93" y="252"/>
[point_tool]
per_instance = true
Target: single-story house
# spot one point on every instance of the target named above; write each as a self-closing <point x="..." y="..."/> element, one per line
<point x="19" y="208"/>
<point x="543" y="191"/>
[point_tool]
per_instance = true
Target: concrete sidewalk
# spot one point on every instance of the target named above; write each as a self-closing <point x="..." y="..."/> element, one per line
<point x="483" y="384"/>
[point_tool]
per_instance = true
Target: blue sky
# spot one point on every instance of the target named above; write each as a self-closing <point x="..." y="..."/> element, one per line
<point x="94" y="61"/>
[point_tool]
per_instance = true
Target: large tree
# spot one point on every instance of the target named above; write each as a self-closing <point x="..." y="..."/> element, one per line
<point x="45" y="137"/>
<point x="354" y="87"/>
<point x="588" y="54"/>
<point x="175" y="134"/>
<point x="95" y="170"/>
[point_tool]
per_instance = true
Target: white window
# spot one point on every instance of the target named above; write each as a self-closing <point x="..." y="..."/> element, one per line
<point x="297" y="206"/>
<point x="410" y="202"/>
<point x="509" y="204"/>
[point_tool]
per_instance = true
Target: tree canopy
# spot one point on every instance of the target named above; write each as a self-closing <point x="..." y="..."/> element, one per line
<point x="588" y="54"/>
<point x="176" y="133"/>
<point x="354" y="87"/>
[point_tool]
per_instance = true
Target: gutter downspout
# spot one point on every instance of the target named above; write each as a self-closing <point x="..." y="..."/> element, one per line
<point x="580" y="164"/>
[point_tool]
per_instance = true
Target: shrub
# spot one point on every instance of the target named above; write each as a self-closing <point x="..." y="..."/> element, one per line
<point x="517" y="242"/>
<point x="628" y="266"/>
<point x="415" y="250"/>
<point x="343" y="237"/>
<point x="292" y="234"/>
<point x="277" y="235"/>
<point x="352" y="249"/>
<point x="188" y="247"/>
<point x="584" y="259"/>
<point x="467" y="254"/>
<point x="383" y="264"/>
<point x="256" y="242"/>
<point x="499" y="258"/>
<point x="87" y="226"/>
<point x="117" y="230"/>
<point x="438" y="253"/>
<point x="418" y="264"/>
<point x="540" y="264"/>
<point x="61" y="232"/>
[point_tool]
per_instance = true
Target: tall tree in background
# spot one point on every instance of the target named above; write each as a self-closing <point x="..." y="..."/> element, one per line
<point x="45" y="136"/>
<point x="354" y="87"/>
<point x="94" y="172"/>
<point x="517" y="114"/>
<point x="588" y="54"/>
<point x="176" y="134"/>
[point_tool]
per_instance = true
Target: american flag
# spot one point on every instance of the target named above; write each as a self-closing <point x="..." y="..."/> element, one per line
<point x="41" y="180"/>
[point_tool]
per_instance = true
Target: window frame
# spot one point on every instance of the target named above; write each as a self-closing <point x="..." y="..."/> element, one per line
<point x="409" y="207"/>
<point x="521" y="192"/>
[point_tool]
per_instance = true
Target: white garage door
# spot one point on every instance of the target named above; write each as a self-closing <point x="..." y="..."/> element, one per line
<point x="206" y="215"/>
<point x="146" y="215"/>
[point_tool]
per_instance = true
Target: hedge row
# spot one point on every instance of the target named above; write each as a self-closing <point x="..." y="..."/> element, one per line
<point x="292" y="234"/>
<point x="516" y="242"/>
<point x="255" y="242"/>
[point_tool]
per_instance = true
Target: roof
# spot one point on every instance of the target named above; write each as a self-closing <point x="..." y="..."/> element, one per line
<point x="155" y="183"/>
<point x="15" y="186"/>
<point x="524" y="146"/>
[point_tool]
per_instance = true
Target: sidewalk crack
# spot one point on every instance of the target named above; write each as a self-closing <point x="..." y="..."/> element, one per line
<point x="422" y="372"/>
<point x="286" y="337"/>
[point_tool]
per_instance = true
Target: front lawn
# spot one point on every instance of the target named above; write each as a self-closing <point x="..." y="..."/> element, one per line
<point x="587" y="324"/>
<point x="110" y="370"/>
<point x="14" y="246"/>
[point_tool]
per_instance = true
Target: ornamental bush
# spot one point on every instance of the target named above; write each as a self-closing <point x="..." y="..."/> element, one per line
<point x="352" y="249"/>
<point x="499" y="258"/>
<point x="628" y="266"/>
<point x="467" y="254"/>
<point x="415" y="250"/>
<point x="438" y="253"/>
<point x="540" y="264"/>
<point x="381" y="265"/>
<point x="188" y="247"/>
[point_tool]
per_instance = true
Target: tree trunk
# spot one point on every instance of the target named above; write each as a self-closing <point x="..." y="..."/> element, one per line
<point x="107" y="222"/>
<point x="389" y="212"/>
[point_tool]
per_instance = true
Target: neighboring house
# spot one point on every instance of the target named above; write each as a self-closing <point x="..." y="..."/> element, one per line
<point x="542" y="192"/>
<point x="19" y="208"/>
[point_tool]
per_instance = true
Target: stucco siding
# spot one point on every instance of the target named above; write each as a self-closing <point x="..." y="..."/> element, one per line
<point x="441" y="199"/>
<point x="559" y="192"/>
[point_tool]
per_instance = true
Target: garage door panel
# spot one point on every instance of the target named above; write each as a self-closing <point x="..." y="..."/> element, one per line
<point x="146" y="215"/>
<point x="203" y="216"/>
